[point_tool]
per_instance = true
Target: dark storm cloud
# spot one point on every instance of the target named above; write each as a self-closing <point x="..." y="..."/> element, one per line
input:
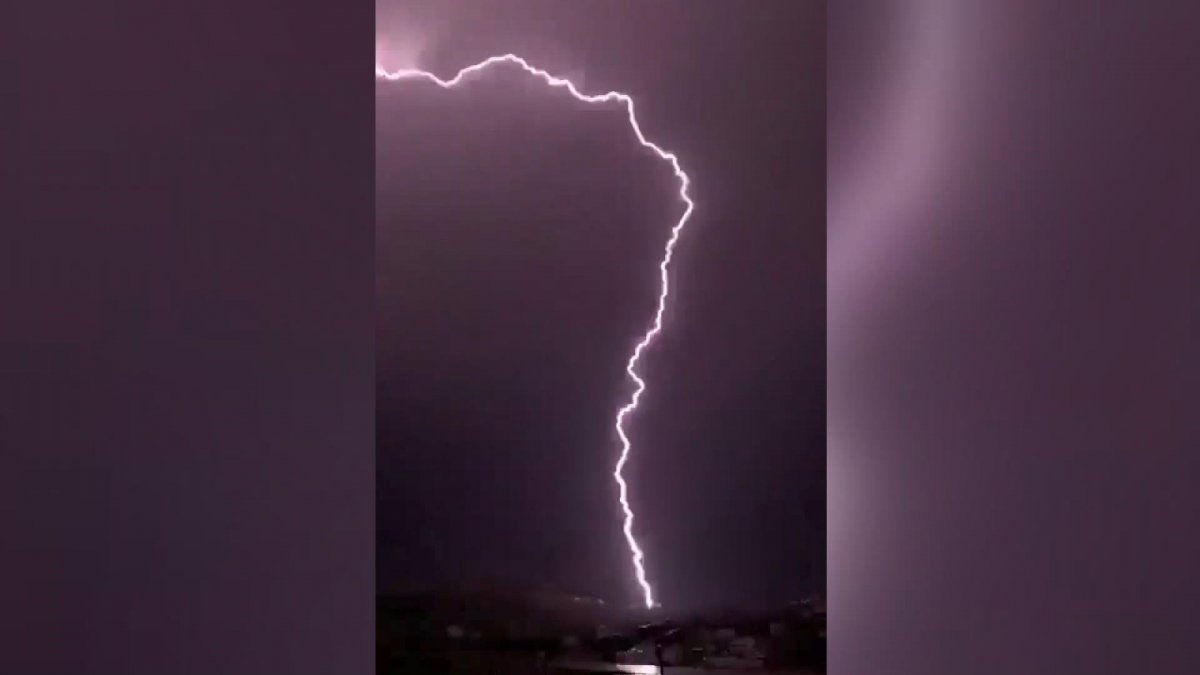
<point x="519" y="234"/>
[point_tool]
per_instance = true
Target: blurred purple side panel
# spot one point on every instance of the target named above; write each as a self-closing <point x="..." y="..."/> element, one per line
<point x="1013" y="331"/>
<point x="186" y="339"/>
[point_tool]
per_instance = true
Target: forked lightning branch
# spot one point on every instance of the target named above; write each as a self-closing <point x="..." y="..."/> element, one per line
<point x="622" y="413"/>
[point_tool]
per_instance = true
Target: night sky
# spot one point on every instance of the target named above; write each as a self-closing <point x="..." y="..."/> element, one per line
<point x="518" y="233"/>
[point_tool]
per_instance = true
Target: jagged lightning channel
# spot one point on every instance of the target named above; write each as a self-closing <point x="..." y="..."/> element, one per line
<point x="638" y="556"/>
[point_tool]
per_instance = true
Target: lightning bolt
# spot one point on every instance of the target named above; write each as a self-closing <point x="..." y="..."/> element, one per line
<point x="636" y="553"/>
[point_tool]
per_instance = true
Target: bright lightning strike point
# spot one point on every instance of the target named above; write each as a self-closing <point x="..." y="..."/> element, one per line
<point x="637" y="555"/>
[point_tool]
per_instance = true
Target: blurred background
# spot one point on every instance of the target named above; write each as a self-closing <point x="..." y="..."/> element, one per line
<point x="1013" y="321"/>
